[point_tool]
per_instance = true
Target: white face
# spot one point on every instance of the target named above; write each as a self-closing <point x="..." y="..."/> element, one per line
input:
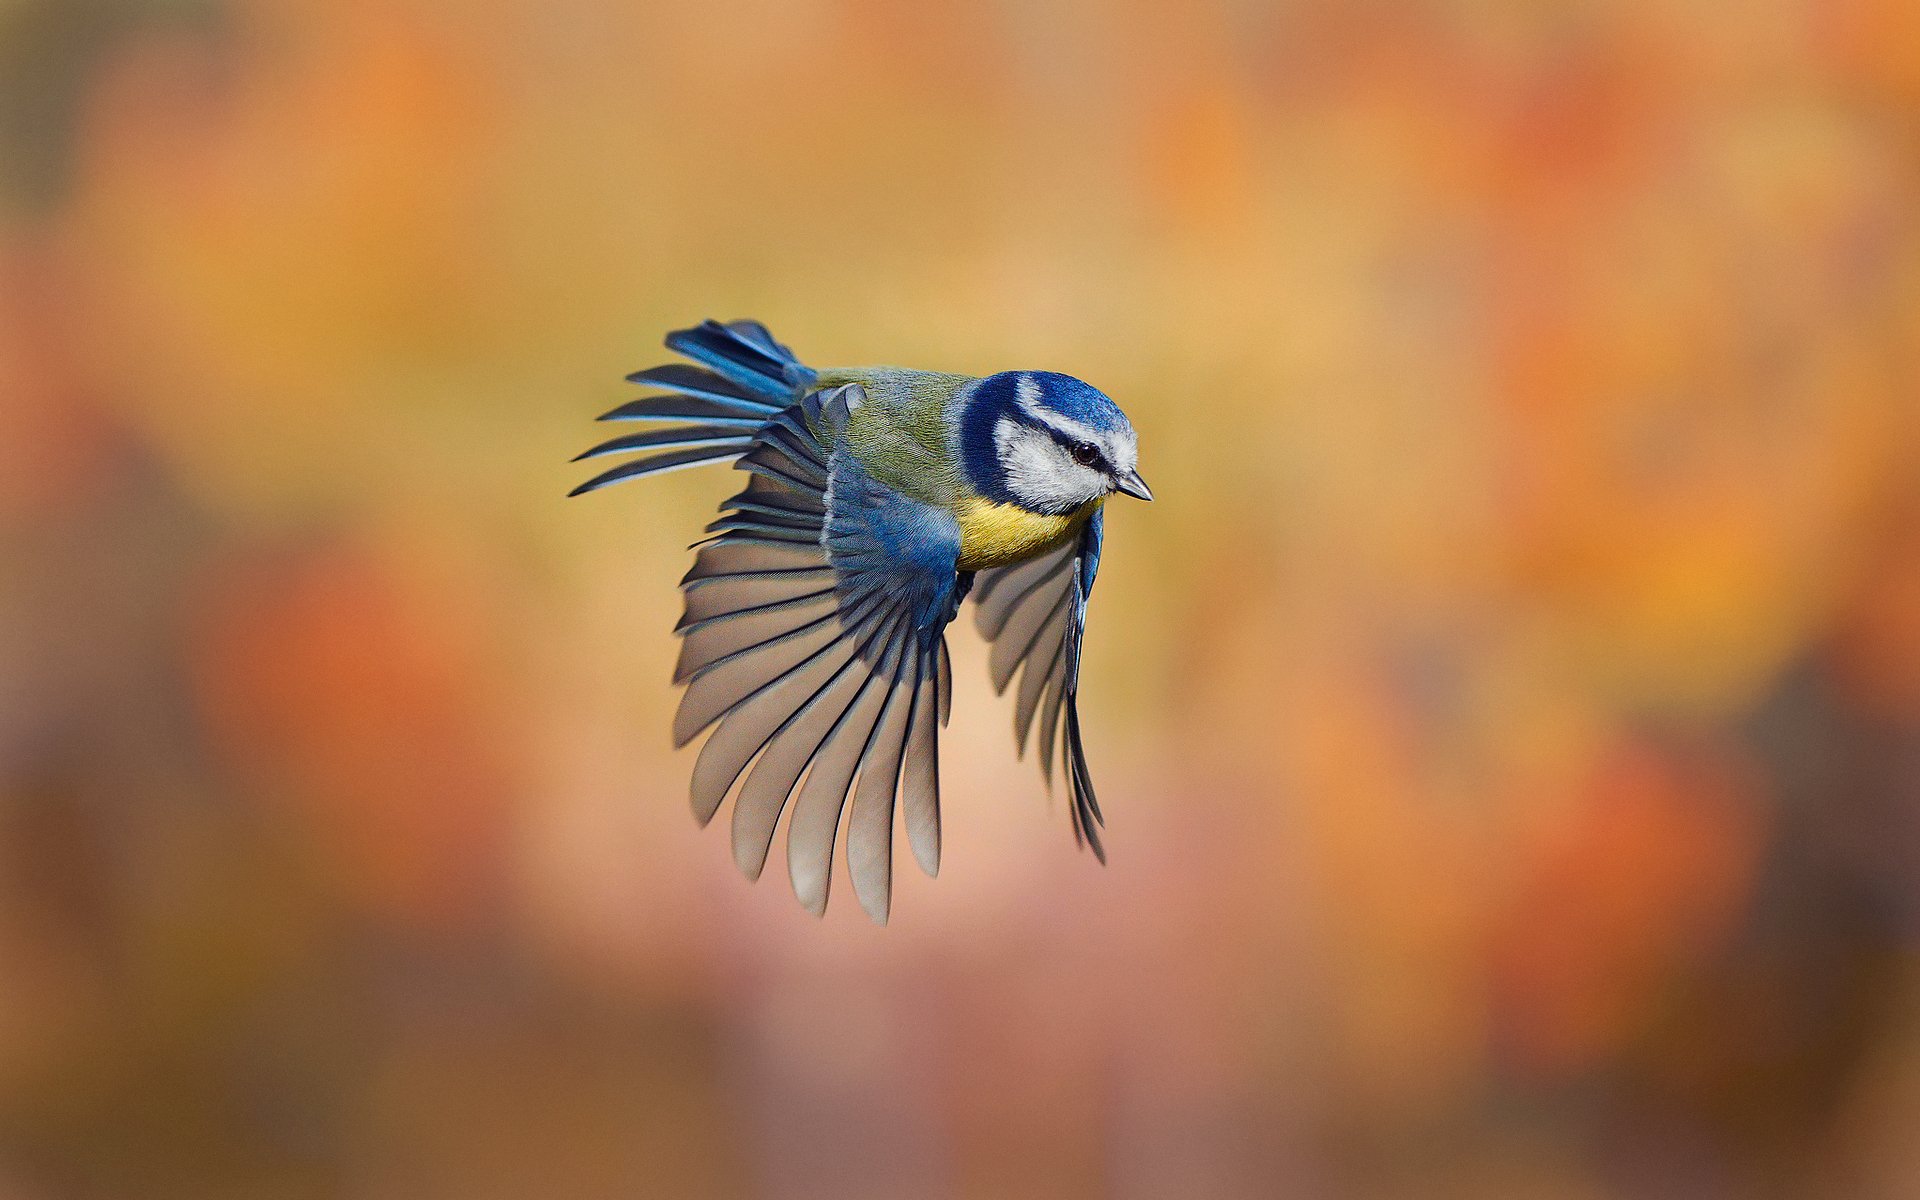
<point x="1042" y="473"/>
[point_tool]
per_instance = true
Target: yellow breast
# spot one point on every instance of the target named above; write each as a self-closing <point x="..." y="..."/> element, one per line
<point x="996" y="535"/>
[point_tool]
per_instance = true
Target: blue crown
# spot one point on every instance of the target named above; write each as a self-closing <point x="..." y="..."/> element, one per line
<point x="1075" y="400"/>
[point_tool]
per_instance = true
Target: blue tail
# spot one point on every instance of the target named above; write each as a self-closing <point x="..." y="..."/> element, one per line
<point x="745" y="379"/>
<point x="745" y="353"/>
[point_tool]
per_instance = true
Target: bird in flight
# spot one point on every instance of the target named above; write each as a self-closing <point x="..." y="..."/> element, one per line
<point x="813" y="640"/>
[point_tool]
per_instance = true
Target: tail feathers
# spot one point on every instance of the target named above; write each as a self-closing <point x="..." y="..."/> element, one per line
<point x="683" y="380"/>
<point x="744" y="381"/>
<point x="745" y="353"/>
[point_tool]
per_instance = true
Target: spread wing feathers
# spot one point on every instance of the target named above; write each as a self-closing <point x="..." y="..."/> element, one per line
<point x="1034" y="615"/>
<point x="744" y="380"/>
<point x="814" y="652"/>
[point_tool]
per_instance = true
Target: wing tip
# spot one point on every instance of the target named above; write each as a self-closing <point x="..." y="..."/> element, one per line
<point x="877" y="908"/>
<point x="751" y="862"/>
<point x="703" y="812"/>
<point x="928" y="856"/>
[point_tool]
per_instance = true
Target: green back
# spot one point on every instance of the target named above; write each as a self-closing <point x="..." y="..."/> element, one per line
<point x="901" y="435"/>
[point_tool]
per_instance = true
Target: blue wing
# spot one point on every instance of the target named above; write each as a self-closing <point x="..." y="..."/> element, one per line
<point x="814" y="647"/>
<point x="1035" y="614"/>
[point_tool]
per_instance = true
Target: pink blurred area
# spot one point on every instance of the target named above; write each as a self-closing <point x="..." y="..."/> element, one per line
<point x="1507" y="718"/>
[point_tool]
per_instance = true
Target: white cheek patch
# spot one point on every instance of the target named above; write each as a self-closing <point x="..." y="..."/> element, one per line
<point x="1039" y="473"/>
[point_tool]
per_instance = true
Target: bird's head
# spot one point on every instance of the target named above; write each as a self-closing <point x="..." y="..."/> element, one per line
<point x="1047" y="442"/>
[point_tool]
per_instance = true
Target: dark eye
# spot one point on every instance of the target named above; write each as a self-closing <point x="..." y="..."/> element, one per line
<point x="1085" y="453"/>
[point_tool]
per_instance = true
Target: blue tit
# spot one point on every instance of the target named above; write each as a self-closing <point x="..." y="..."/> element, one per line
<point x="813" y="642"/>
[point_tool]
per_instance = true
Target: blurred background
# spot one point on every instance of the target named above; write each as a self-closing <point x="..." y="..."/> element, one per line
<point x="1508" y="718"/>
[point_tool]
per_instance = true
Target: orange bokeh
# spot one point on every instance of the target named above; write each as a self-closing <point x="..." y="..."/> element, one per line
<point x="1507" y="716"/>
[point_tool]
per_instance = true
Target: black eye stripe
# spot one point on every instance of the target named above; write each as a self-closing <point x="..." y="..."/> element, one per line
<point x="1081" y="451"/>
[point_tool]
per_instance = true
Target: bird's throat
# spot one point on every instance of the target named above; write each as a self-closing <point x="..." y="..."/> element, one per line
<point x="998" y="535"/>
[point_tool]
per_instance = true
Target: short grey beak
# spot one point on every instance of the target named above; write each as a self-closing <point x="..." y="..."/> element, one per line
<point x="1133" y="485"/>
